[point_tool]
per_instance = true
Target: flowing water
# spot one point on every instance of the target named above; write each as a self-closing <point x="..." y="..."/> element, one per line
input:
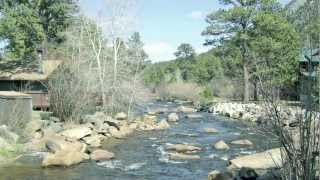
<point x="143" y="156"/>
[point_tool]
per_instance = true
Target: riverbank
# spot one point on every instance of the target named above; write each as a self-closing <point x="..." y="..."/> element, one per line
<point x="185" y="149"/>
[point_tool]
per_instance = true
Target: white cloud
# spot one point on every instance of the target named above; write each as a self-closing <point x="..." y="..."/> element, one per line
<point x="197" y="15"/>
<point x="159" y="51"/>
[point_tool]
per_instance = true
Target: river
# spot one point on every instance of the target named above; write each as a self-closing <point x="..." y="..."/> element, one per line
<point x="142" y="156"/>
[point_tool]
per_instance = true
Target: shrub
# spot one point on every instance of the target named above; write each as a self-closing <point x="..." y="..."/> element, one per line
<point x="181" y="90"/>
<point x="207" y="93"/>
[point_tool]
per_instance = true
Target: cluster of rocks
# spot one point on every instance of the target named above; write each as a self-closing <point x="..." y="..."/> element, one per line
<point x="244" y="167"/>
<point x="69" y="143"/>
<point x="221" y="145"/>
<point x="182" y="151"/>
<point x="253" y="112"/>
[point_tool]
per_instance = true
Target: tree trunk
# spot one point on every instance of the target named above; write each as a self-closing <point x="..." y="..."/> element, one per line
<point x="256" y="91"/>
<point x="246" y="91"/>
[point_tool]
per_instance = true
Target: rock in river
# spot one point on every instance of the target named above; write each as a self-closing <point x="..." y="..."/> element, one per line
<point x="264" y="160"/>
<point x="183" y="148"/>
<point x="64" y="158"/>
<point x="210" y="130"/>
<point x="93" y="141"/>
<point x="55" y="144"/>
<point x="100" y="155"/>
<point x="173" y="117"/>
<point x="185" y="109"/>
<point x="221" y="145"/>
<point x="242" y="142"/>
<point x="163" y="124"/>
<point x="77" y="132"/>
<point x="179" y="156"/>
<point x="194" y="116"/>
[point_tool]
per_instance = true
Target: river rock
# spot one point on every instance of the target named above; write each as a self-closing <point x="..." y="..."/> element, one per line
<point x="221" y="145"/>
<point x="100" y="155"/>
<point x="194" y="116"/>
<point x="217" y="175"/>
<point x="9" y="136"/>
<point x="183" y="148"/>
<point x="64" y="158"/>
<point x="157" y="111"/>
<point x="33" y="126"/>
<point x="57" y="143"/>
<point x="242" y="142"/>
<point x="264" y="160"/>
<point x="77" y="132"/>
<point x="180" y="156"/>
<point x="122" y="132"/>
<point x="173" y="117"/>
<point x="210" y="130"/>
<point x="163" y="124"/>
<point x="185" y="109"/>
<point x="121" y="116"/>
<point x="93" y="141"/>
<point x="148" y="123"/>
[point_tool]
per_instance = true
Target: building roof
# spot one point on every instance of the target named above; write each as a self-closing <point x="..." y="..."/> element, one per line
<point x="18" y="71"/>
<point x="13" y="94"/>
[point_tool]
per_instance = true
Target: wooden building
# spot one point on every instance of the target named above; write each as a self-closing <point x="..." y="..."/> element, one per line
<point x="29" y="79"/>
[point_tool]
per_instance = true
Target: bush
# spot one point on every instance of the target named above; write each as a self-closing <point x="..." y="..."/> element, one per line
<point x="227" y="88"/>
<point x="181" y="90"/>
<point x="207" y="93"/>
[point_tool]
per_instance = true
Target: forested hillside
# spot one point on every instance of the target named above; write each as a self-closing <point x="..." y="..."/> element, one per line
<point x="249" y="41"/>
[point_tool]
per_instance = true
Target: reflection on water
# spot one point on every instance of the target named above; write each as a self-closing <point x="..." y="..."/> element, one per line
<point x="143" y="155"/>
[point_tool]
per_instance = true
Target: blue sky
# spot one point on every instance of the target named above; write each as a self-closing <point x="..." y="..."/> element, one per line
<point x="164" y="24"/>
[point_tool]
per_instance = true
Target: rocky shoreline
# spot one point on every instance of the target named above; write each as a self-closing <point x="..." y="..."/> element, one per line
<point x="68" y="144"/>
<point x="256" y="113"/>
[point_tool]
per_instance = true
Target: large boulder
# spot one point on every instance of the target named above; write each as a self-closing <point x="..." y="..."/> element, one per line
<point x="173" y="117"/>
<point x="242" y="142"/>
<point x="64" y="158"/>
<point x="122" y="132"/>
<point x="100" y="155"/>
<point x="183" y="148"/>
<point x="93" y="141"/>
<point x="264" y="160"/>
<point x="57" y="144"/>
<point x="181" y="156"/>
<point x="221" y="145"/>
<point x="185" y="109"/>
<point x="121" y="116"/>
<point x="9" y="136"/>
<point x="77" y="132"/>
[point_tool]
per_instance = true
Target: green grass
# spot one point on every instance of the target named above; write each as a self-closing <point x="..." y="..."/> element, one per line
<point x="12" y="151"/>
